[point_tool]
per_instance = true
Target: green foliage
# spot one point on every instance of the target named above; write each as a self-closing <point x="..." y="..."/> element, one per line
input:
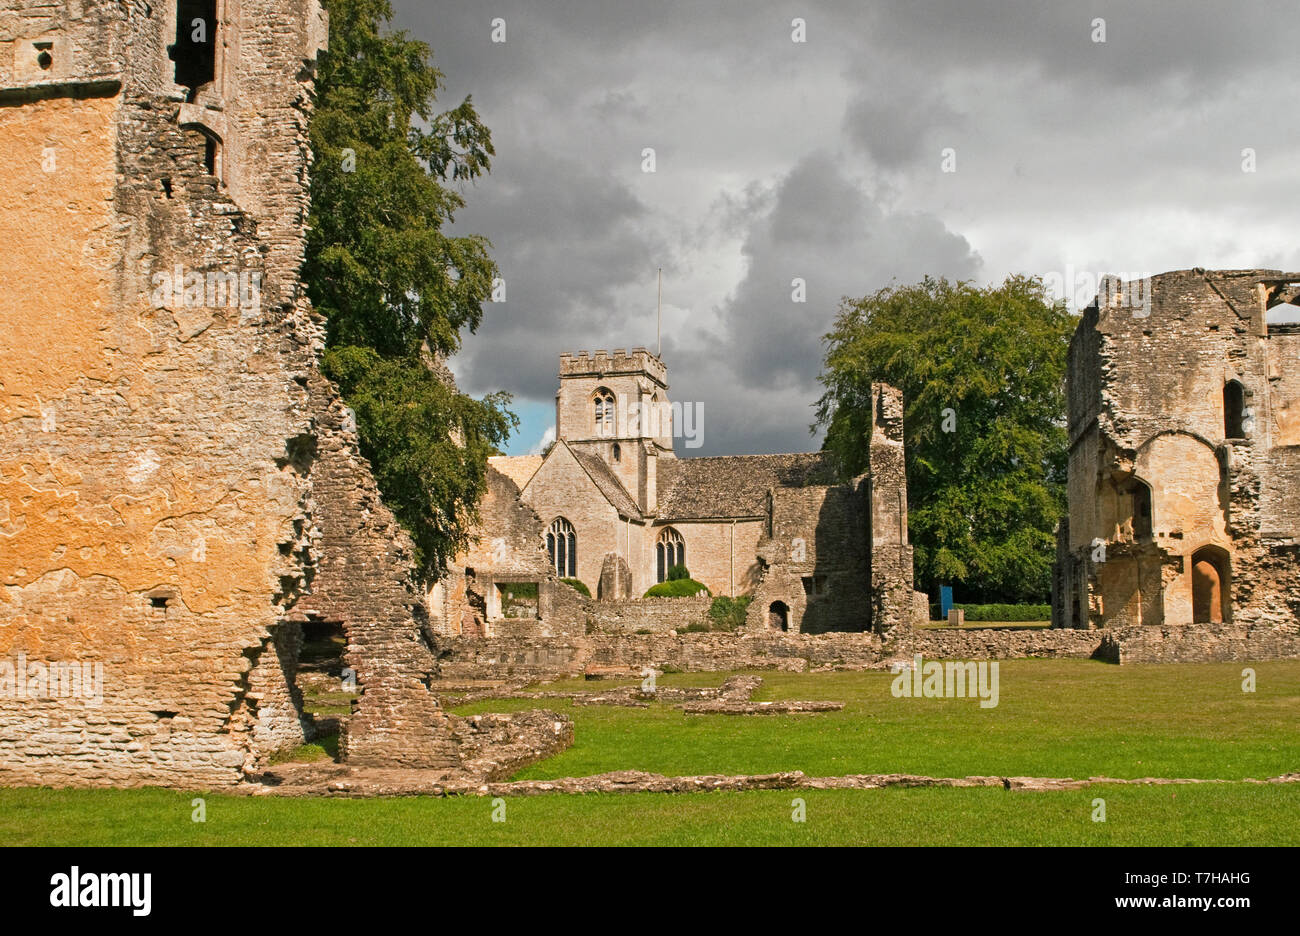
<point x="984" y="499"/>
<point x="577" y="584"/>
<point x="395" y="289"/>
<point x="729" y="613"/>
<point x="1001" y="612"/>
<point x="677" y="588"/>
<point x="678" y="572"/>
<point x="427" y="443"/>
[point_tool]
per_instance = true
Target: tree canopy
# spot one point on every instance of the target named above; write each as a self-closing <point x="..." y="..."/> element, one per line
<point x="397" y="291"/>
<point x="982" y="371"/>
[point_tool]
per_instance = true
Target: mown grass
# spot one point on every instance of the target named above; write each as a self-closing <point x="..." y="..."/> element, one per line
<point x="1054" y="718"/>
<point x="1202" y="815"/>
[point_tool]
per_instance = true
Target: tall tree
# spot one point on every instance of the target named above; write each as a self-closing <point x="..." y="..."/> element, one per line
<point x="983" y="378"/>
<point x="396" y="290"/>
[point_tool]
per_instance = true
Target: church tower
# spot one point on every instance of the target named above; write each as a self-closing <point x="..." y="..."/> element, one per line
<point x="615" y="405"/>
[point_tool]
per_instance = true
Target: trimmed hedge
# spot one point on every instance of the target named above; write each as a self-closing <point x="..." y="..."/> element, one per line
<point x="678" y="588"/>
<point x="1000" y="612"/>
<point x="578" y="584"/>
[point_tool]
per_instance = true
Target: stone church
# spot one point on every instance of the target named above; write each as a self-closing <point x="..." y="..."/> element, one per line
<point x="615" y="508"/>
<point x="1184" y="464"/>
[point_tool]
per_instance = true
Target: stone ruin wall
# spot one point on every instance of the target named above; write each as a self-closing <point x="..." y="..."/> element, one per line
<point x="175" y="475"/>
<point x="153" y="520"/>
<point x="1146" y="400"/>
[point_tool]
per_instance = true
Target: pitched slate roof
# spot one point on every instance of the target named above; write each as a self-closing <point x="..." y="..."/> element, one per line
<point x="733" y="486"/>
<point x="607" y="482"/>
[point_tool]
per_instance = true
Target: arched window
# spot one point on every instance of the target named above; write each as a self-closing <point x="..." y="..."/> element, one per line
<point x="603" y="411"/>
<point x="618" y="452"/>
<point x="1211" y="588"/>
<point x="1234" y="410"/>
<point x="562" y="548"/>
<point x="1141" y="495"/>
<point x="669" y="551"/>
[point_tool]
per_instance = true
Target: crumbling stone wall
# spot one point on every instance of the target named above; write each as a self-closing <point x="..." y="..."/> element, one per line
<point x="1204" y="643"/>
<point x="649" y="614"/>
<point x="154" y="521"/>
<point x="837" y="557"/>
<point x="175" y="472"/>
<point x="1167" y="487"/>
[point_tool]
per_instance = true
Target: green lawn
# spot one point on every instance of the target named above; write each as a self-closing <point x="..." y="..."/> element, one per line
<point x="1219" y="815"/>
<point x="1054" y="718"/>
<point x="1057" y="718"/>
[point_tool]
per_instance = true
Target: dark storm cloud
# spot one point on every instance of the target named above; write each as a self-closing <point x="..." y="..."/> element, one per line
<point x="565" y="239"/>
<point x="821" y="160"/>
<point x="824" y="230"/>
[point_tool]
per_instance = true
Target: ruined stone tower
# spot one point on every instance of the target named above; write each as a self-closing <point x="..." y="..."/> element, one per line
<point x="1184" y="471"/>
<point x="175" y="473"/>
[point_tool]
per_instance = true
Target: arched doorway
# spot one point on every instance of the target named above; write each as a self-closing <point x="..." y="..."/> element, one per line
<point x="778" y="616"/>
<point x="1211" y="598"/>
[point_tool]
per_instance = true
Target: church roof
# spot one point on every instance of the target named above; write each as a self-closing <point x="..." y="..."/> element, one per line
<point x="733" y="486"/>
<point x="604" y="478"/>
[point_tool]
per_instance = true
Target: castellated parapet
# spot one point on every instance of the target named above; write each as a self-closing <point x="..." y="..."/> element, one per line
<point x="619" y="361"/>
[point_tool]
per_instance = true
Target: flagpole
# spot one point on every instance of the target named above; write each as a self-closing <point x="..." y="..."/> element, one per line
<point x="659" y="317"/>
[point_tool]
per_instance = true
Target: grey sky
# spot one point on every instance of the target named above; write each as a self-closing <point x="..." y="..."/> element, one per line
<point x="822" y="160"/>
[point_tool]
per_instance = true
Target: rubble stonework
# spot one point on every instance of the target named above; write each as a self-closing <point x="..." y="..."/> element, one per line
<point x="1184" y="469"/>
<point x="154" y="517"/>
<point x="175" y="473"/>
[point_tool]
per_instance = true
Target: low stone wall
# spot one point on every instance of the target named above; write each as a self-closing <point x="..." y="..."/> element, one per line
<point x="999" y="643"/>
<point x="465" y="658"/>
<point x="1200" y="643"/>
<point x="629" y="615"/>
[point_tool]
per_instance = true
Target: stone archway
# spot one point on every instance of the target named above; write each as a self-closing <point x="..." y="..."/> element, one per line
<point x="1211" y="601"/>
<point x="778" y="616"/>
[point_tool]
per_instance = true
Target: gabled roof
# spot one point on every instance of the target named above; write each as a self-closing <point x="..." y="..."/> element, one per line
<point x="733" y="486"/>
<point x="606" y="482"/>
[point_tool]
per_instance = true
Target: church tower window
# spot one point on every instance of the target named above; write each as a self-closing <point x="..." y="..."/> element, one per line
<point x="604" y="412"/>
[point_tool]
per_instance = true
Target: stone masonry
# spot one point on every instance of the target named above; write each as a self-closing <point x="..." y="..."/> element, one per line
<point x="1184" y="470"/>
<point x="175" y="473"/>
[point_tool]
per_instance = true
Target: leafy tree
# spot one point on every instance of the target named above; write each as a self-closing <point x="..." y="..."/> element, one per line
<point x="982" y="373"/>
<point x="678" y="572"/>
<point x="396" y="290"/>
